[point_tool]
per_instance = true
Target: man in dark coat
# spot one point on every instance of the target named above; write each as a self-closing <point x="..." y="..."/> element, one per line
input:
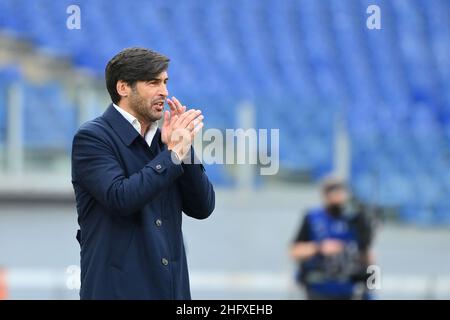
<point x="132" y="182"/>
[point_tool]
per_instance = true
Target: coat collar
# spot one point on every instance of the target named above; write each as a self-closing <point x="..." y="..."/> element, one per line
<point x="125" y="129"/>
<point x="120" y="125"/>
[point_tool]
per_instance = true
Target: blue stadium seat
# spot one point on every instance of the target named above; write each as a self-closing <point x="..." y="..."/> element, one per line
<point x="300" y="62"/>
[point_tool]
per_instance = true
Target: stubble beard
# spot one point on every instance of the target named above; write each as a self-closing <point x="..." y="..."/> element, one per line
<point x="143" y="108"/>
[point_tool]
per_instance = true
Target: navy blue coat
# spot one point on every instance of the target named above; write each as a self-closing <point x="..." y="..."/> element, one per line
<point x="130" y="198"/>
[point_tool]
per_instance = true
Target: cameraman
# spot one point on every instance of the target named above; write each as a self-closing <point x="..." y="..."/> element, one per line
<point x="333" y="247"/>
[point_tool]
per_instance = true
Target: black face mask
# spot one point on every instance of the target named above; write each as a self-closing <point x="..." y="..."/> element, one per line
<point x="335" y="210"/>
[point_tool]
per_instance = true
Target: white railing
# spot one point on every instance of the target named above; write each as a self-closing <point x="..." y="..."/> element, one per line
<point x="393" y="286"/>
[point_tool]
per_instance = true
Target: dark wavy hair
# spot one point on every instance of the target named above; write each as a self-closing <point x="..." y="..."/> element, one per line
<point x="131" y="65"/>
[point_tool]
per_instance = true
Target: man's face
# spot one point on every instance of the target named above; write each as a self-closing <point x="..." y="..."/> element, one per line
<point x="147" y="98"/>
<point x="336" y="197"/>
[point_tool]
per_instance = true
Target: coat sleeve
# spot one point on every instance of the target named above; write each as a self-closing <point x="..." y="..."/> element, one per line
<point x="197" y="192"/>
<point x="97" y="169"/>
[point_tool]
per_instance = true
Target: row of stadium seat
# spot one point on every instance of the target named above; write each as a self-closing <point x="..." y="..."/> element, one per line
<point x="302" y="63"/>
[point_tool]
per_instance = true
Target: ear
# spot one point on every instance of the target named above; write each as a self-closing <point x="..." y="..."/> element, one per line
<point x="123" y="89"/>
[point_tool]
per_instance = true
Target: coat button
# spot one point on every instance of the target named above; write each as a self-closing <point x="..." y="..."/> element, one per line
<point x="158" y="167"/>
<point x="158" y="222"/>
<point x="164" y="261"/>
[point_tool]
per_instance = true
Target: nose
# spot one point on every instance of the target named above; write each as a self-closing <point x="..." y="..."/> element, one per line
<point x="163" y="91"/>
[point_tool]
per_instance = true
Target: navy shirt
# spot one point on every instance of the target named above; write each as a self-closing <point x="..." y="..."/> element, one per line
<point x="329" y="276"/>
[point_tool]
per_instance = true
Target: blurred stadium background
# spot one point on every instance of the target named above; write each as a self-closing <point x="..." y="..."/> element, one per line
<point x="372" y="105"/>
